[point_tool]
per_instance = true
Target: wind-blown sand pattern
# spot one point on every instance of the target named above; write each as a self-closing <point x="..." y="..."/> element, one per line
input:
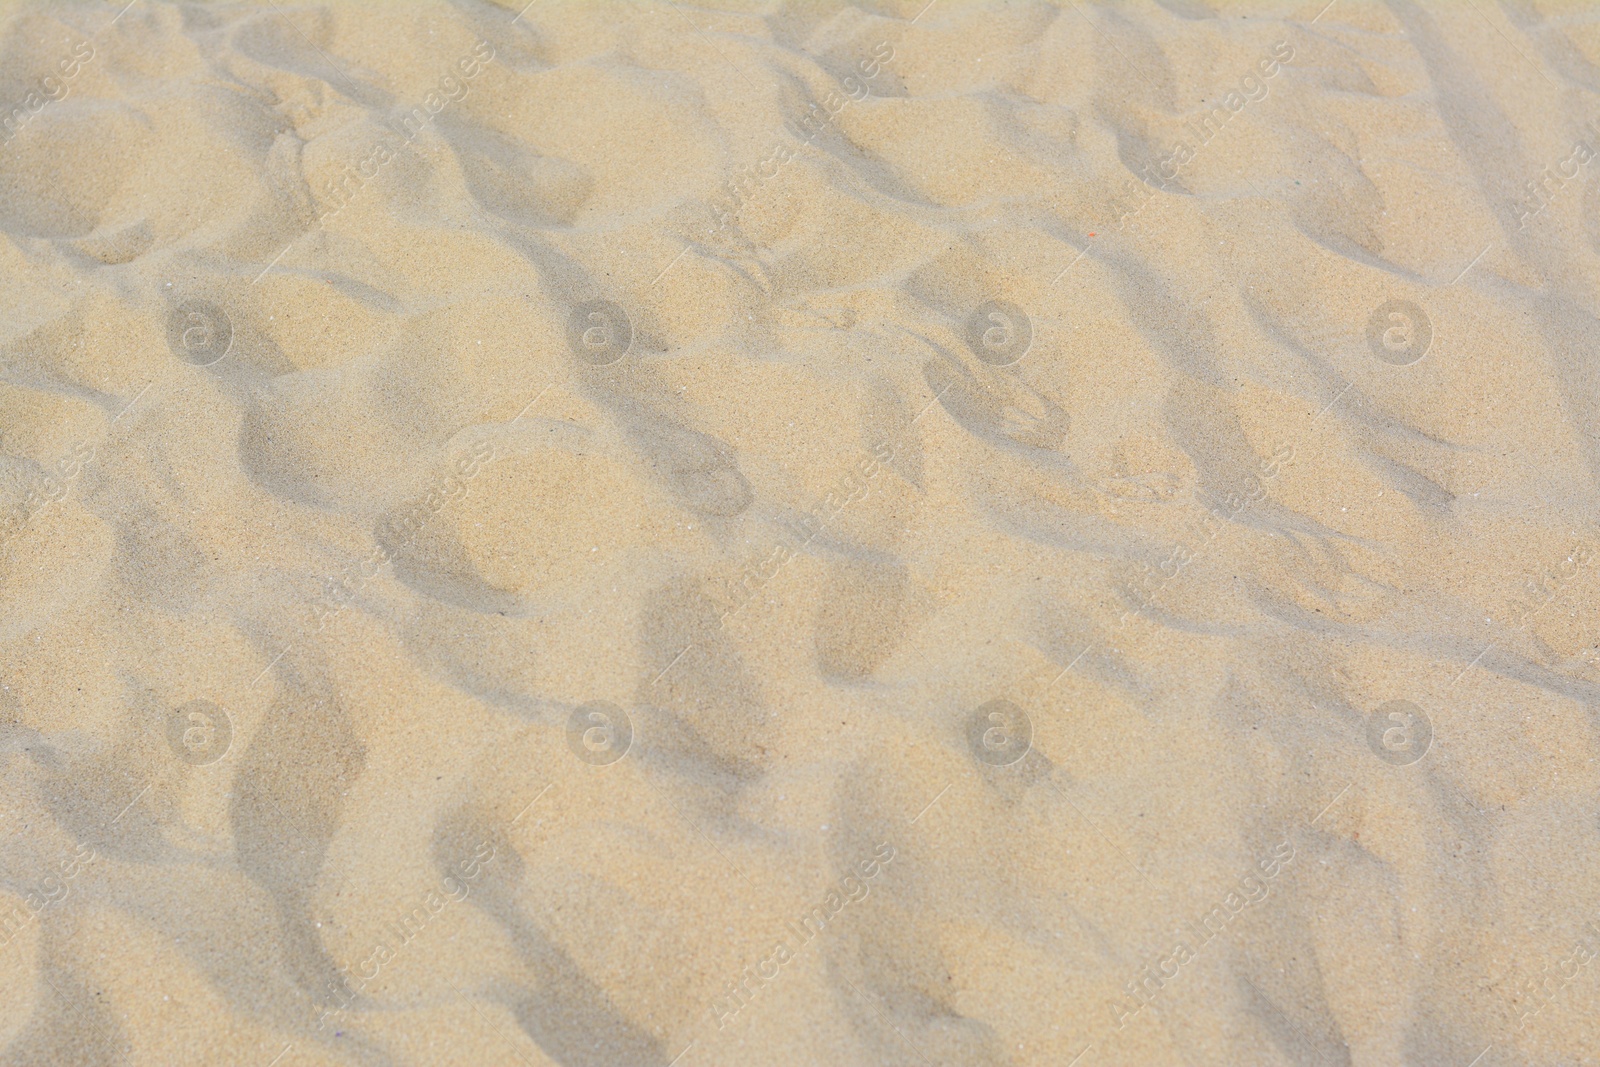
<point x="904" y="534"/>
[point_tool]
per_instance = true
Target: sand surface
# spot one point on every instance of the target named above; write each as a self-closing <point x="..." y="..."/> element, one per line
<point x="800" y="534"/>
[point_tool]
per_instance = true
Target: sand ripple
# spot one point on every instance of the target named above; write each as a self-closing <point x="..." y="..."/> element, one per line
<point x="636" y="534"/>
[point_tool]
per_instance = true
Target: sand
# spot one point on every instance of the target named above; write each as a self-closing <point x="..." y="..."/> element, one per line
<point x="786" y="534"/>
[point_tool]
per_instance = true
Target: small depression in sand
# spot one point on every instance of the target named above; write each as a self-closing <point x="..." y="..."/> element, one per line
<point x="985" y="534"/>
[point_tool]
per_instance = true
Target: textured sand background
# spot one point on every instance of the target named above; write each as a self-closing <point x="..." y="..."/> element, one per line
<point x="787" y="534"/>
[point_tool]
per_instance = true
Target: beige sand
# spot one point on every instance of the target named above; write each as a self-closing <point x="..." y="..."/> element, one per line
<point x="643" y="534"/>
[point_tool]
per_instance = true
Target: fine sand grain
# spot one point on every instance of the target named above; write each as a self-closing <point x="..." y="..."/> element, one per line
<point x="916" y="534"/>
